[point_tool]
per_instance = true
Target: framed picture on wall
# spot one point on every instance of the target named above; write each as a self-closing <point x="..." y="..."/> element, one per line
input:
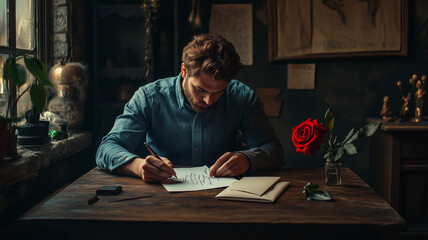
<point x="309" y="29"/>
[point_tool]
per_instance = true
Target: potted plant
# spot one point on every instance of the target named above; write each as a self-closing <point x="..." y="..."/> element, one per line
<point x="14" y="74"/>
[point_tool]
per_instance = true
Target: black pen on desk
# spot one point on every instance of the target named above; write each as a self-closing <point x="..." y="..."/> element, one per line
<point x="157" y="156"/>
<point x="93" y="199"/>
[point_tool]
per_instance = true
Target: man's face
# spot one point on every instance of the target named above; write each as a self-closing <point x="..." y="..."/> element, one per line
<point x="201" y="91"/>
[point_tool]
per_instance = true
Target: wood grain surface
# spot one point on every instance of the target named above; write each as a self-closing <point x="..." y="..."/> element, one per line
<point x="356" y="211"/>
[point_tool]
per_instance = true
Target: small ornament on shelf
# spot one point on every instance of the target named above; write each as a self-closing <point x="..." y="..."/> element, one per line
<point x="386" y="112"/>
<point x="418" y="91"/>
<point x="419" y="98"/>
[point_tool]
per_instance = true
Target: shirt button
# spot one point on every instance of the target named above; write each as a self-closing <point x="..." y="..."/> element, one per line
<point x="196" y="149"/>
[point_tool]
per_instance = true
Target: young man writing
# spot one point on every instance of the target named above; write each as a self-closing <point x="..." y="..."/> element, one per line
<point x="193" y="120"/>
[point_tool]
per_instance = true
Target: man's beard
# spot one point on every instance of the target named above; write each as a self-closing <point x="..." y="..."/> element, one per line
<point x="193" y="103"/>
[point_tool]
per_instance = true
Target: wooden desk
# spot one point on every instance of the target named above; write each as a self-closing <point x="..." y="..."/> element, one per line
<point x="356" y="212"/>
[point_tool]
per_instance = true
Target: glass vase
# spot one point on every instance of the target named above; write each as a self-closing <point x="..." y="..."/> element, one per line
<point x="332" y="173"/>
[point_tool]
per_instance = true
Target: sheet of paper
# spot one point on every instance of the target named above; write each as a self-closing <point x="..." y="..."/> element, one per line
<point x="301" y="76"/>
<point x="195" y="179"/>
<point x="235" y="23"/>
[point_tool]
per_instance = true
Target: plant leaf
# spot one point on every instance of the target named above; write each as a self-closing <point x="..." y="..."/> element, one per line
<point x="38" y="96"/>
<point x="21" y="72"/>
<point x="312" y="194"/>
<point x="365" y="131"/>
<point x="319" y="196"/>
<point x="329" y="118"/>
<point x="370" y="129"/>
<point x="310" y="187"/>
<point x="350" y="148"/>
<point x="15" y="76"/>
<point x="6" y="69"/>
<point x="38" y="69"/>
<point x="338" y="154"/>
<point x="348" y="136"/>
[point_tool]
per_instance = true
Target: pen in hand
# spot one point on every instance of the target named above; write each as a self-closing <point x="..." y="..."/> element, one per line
<point x="157" y="156"/>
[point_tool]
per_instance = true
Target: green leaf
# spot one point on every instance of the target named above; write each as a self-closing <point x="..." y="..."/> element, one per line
<point x="348" y="136"/>
<point x="15" y="76"/>
<point x="38" y="96"/>
<point x="6" y="69"/>
<point x="312" y="194"/>
<point x="38" y="69"/>
<point x="329" y="118"/>
<point x="320" y="196"/>
<point x="310" y="187"/>
<point x="350" y="148"/>
<point x="370" y="129"/>
<point x="365" y="131"/>
<point x="338" y="154"/>
<point x="21" y="72"/>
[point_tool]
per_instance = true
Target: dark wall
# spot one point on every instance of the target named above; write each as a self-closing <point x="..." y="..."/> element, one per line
<point x="354" y="87"/>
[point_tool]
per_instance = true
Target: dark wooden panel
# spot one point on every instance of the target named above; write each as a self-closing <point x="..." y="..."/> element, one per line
<point x="384" y="162"/>
<point x="414" y="145"/>
<point x="414" y="201"/>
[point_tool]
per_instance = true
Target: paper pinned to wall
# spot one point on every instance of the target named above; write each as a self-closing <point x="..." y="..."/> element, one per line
<point x="235" y="23"/>
<point x="271" y="101"/>
<point x="301" y="76"/>
<point x="195" y="179"/>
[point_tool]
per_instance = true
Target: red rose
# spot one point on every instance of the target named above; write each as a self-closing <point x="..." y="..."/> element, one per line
<point x="308" y="136"/>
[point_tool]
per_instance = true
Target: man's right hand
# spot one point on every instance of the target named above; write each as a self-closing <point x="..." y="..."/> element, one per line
<point x="155" y="170"/>
<point x="149" y="169"/>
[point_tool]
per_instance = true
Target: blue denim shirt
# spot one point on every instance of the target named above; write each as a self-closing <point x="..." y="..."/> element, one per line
<point x="159" y="114"/>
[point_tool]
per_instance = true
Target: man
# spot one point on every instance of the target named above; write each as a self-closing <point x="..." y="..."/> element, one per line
<point x="193" y="120"/>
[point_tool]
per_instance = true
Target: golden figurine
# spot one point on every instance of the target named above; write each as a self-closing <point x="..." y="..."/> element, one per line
<point x="405" y="114"/>
<point x="419" y="99"/>
<point x="405" y="109"/>
<point x="386" y="112"/>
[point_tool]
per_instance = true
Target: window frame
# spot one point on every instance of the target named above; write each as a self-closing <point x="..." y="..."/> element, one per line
<point x="40" y="49"/>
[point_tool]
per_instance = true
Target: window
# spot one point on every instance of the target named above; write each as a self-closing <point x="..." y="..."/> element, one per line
<point x="21" y="31"/>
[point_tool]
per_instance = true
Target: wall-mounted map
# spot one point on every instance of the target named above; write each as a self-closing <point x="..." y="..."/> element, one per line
<point x="331" y="28"/>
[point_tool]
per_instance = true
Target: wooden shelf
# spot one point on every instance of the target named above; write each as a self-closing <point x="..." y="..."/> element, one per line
<point x="402" y="126"/>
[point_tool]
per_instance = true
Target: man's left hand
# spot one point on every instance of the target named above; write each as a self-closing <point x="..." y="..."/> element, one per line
<point x="231" y="164"/>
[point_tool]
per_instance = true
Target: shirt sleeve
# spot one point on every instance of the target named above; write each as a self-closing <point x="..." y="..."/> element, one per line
<point x="119" y="145"/>
<point x="265" y="150"/>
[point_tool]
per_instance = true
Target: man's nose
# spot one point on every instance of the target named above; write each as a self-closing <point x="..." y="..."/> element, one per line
<point x="209" y="99"/>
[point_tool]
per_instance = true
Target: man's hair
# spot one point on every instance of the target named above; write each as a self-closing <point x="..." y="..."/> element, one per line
<point x="212" y="55"/>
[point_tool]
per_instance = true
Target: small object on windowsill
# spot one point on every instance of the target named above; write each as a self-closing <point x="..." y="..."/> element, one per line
<point x="33" y="131"/>
<point x="58" y="135"/>
<point x="93" y="199"/>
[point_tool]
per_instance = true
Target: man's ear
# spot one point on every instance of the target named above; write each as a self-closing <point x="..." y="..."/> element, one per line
<point x="183" y="71"/>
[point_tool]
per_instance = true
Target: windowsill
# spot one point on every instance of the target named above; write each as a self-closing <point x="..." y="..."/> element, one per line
<point x="37" y="158"/>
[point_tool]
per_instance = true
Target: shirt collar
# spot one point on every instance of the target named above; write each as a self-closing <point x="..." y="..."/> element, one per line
<point x="179" y="92"/>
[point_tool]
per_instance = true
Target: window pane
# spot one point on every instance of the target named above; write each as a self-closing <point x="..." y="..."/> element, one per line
<point x="25" y="24"/>
<point x="3" y="23"/>
<point x="24" y="103"/>
<point x="3" y="88"/>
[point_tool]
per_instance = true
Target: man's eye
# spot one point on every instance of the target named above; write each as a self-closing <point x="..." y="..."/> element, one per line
<point x="200" y="90"/>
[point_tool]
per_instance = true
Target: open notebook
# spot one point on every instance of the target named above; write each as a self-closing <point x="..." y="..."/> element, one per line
<point x="254" y="189"/>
